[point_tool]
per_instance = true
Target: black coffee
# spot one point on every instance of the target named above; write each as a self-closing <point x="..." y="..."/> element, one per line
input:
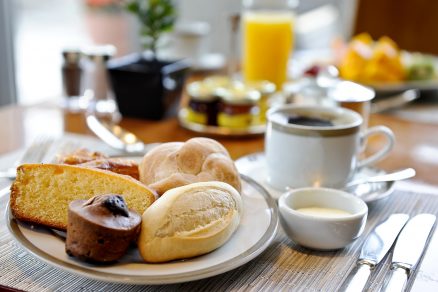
<point x="308" y="121"/>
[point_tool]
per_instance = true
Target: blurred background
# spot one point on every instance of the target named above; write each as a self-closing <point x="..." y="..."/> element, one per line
<point x="33" y="33"/>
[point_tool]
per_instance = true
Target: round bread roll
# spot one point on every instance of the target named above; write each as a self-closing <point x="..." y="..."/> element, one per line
<point x="177" y="164"/>
<point x="189" y="221"/>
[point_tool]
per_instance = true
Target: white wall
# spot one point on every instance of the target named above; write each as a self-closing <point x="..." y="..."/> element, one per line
<point x="217" y="14"/>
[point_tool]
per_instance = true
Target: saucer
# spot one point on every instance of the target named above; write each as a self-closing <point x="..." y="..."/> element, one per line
<point x="254" y="166"/>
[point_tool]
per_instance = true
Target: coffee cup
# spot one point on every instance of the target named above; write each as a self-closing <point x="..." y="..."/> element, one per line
<point x="317" y="146"/>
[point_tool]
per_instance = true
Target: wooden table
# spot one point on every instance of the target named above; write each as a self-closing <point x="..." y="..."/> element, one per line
<point x="416" y="142"/>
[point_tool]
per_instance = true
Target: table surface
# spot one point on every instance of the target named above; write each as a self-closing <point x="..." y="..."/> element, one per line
<point x="416" y="145"/>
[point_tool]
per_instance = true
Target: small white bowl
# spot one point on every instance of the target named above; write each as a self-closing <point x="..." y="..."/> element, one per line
<point x="319" y="232"/>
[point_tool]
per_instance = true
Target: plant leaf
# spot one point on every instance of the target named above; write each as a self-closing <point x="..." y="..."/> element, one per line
<point x="155" y="16"/>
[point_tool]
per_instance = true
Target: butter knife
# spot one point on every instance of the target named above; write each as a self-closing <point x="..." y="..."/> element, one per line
<point x="408" y="250"/>
<point x="376" y="246"/>
<point x="396" y="101"/>
<point x="117" y="137"/>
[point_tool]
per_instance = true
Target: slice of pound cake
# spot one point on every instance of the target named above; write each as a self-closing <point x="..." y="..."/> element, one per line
<point x="41" y="192"/>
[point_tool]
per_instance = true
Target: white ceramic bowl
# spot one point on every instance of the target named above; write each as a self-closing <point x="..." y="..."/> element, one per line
<point x="319" y="232"/>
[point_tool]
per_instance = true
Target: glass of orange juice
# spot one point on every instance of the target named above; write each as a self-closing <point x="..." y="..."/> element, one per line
<point x="267" y="39"/>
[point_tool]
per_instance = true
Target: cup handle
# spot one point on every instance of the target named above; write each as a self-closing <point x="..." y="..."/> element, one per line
<point x="390" y="139"/>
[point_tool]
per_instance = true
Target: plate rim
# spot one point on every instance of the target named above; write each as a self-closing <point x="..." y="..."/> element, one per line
<point x="261" y="245"/>
<point x="370" y="201"/>
<point x="402" y="86"/>
<point x="218" y="131"/>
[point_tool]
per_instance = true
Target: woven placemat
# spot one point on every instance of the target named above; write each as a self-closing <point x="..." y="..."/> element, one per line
<point x="283" y="266"/>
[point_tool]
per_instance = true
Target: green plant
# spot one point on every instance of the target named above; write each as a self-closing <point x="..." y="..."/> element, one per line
<point x="156" y="17"/>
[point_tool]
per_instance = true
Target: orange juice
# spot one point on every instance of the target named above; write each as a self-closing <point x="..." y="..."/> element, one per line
<point x="267" y="44"/>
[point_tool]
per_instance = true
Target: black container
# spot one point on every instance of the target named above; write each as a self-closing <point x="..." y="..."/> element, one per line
<point x="147" y="88"/>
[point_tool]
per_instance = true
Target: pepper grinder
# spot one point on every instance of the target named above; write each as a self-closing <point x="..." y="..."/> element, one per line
<point x="72" y="74"/>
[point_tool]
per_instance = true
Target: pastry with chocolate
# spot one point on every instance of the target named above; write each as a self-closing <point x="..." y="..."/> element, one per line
<point x="79" y="156"/>
<point x="101" y="229"/>
<point x="94" y="159"/>
<point x="117" y="165"/>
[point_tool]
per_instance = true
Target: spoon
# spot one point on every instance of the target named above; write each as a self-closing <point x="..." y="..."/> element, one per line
<point x="394" y="176"/>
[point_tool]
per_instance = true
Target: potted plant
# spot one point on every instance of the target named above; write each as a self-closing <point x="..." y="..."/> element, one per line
<point x="144" y="85"/>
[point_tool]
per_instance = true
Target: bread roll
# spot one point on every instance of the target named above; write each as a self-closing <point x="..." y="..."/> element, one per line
<point x="189" y="221"/>
<point x="176" y="164"/>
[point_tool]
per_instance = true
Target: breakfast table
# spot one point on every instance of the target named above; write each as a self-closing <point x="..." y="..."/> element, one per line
<point x="283" y="265"/>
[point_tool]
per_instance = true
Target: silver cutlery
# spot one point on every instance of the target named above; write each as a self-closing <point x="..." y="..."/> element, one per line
<point x="376" y="246"/>
<point x="396" y="101"/>
<point x="35" y="153"/>
<point x="394" y="176"/>
<point x="410" y="246"/>
<point x="117" y="137"/>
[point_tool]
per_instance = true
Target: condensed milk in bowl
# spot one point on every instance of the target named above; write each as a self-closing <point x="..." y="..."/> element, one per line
<point x="322" y="218"/>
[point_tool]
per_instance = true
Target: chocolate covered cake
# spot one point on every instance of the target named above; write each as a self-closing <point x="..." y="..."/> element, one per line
<point x="100" y="229"/>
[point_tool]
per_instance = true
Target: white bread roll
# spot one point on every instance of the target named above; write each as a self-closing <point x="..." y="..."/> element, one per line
<point x="176" y="164"/>
<point x="189" y="221"/>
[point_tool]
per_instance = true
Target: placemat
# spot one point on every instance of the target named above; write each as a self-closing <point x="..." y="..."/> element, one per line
<point x="283" y="266"/>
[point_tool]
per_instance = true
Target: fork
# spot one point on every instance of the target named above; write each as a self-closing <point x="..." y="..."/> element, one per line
<point x="35" y="153"/>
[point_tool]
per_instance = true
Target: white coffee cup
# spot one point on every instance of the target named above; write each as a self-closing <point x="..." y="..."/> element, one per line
<point x="300" y="155"/>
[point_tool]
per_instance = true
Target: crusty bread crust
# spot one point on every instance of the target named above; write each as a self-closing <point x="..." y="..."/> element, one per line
<point x="189" y="221"/>
<point x="176" y="164"/>
<point x="41" y="192"/>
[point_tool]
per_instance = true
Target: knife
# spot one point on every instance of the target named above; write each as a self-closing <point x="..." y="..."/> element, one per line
<point x="407" y="251"/>
<point x="373" y="251"/>
<point x="393" y="102"/>
<point x="117" y="137"/>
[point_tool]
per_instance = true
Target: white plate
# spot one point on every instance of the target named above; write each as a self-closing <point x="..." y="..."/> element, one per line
<point x="254" y="166"/>
<point x="257" y="229"/>
<point x="402" y="86"/>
